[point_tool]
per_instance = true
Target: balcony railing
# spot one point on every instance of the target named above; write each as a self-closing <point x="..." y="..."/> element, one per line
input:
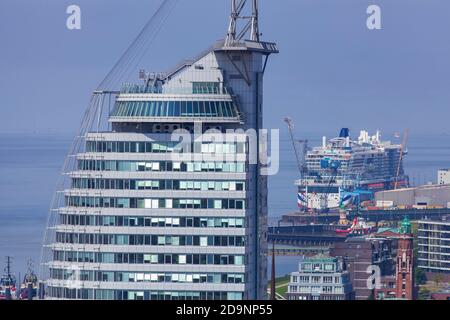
<point x="192" y="89"/>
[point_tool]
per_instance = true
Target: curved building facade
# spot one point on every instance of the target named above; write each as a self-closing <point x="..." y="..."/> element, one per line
<point x="152" y="214"/>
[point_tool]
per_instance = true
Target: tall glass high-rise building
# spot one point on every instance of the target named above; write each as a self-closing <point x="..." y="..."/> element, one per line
<point x="142" y="220"/>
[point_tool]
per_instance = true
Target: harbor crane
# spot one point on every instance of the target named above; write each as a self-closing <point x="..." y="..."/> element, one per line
<point x="300" y="158"/>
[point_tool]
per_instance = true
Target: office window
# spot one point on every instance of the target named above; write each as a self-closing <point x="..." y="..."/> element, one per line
<point x="327" y="279"/>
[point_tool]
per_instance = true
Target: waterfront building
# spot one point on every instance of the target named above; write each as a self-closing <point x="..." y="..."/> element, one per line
<point x="444" y="176"/>
<point x="397" y="281"/>
<point x="386" y="289"/>
<point x="434" y="247"/>
<point x="422" y="197"/>
<point x="442" y="295"/>
<point x="320" y="278"/>
<point x="139" y="223"/>
<point x="359" y="255"/>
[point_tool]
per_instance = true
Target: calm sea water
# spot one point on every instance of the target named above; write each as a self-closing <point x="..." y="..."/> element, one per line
<point x="30" y="166"/>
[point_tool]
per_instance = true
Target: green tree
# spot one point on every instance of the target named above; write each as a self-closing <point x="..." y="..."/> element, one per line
<point x="424" y="294"/>
<point x="438" y="278"/>
<point x="419" y="276"/>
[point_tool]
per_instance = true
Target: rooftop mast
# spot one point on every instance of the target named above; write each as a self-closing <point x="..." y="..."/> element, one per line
<point x="235" y="34"/>
<point x="255" y="24"/>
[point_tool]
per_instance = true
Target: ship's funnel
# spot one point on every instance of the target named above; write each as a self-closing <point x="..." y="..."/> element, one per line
<point x="345" y="132"/>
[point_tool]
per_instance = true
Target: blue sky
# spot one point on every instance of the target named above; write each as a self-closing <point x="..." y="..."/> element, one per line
<point x="331" y="71"/>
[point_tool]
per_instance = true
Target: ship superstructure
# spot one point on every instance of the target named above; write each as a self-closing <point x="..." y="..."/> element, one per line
<point x="343" y="170"/>
<point x="141" y="221"/>
<point x="7" y="282"/>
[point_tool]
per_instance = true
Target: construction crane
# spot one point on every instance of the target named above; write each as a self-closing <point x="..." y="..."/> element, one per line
<point x="300" y="159"/>
<point x="290" y="125"/>
<point x="402" y="153"/>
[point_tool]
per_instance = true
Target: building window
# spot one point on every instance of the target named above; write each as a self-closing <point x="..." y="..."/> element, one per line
<point x="316" y="289"/>
<point x="303" y="279"/>
<point x="327" y="289"/>
<point x="327" y="279"/>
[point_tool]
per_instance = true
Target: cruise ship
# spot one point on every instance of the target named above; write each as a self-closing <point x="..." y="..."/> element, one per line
<point x="343" y="171"/>
<point x="138" y="220"/>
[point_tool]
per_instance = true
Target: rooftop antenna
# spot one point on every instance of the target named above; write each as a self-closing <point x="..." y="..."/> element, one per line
<point x="251" y="22"/>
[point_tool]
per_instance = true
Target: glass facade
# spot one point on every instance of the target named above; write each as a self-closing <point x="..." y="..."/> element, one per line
<point x="161" y="203"/>
<point x="160" y="222"/>
<point x="167" y="166"/>
<point x="153" y="240"/>
<point x="209" y="87"/>
<point x="163" y="147"/>
<point x="162" y="277"/>
<point x="150" y="228"/>
<point x="176" y="109"/>
<point x="147" y="258"/>
<point x="136" y="223"/>
<point x="133" y="184"/>
<point x="104" y="294"/>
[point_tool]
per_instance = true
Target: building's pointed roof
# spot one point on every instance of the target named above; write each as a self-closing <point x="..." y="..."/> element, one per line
<point x="405" y="227"/>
